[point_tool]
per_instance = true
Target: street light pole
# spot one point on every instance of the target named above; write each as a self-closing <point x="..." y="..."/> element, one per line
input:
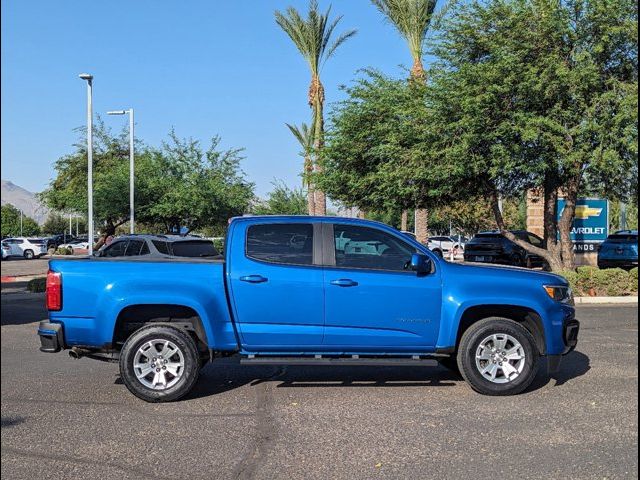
<point x="89" y="79"/>
<point x="131" y="164"/>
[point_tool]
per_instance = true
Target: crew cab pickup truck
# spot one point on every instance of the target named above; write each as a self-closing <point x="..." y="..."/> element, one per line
<point x="307" y="291"/>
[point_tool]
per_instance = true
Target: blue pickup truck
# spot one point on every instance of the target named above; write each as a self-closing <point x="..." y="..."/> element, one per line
<point x="307" y="291"/>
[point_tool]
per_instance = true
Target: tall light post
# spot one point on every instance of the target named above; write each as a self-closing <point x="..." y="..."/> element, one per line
<point x="131" y="164"/>
<point x="89" y="79"/>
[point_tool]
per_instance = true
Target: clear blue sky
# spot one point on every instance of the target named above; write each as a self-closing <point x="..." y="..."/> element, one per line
<point x="203" y="67"/>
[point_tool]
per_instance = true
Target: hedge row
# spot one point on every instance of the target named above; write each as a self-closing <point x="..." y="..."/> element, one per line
<point x="611" y="282"/>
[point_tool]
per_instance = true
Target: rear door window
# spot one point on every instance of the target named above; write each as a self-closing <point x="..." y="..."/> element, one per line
<point x="194" y="248"/>
<point x="290" y="244"/>
<point x="116" y="249"/>
<point x="161" y="246"/>
<point x="134" y="248"/>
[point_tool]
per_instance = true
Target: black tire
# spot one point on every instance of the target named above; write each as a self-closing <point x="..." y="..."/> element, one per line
<point x="28" y="254"/>
<point x="189" y="373"/>
<point x="470" y="343"/>
<point x="438" y="252"/>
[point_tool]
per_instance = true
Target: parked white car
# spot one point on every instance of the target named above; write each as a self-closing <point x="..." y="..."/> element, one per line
<point x="76" y="245"/>
<point x="445" y="244"/>
<point x="24" y="247"/>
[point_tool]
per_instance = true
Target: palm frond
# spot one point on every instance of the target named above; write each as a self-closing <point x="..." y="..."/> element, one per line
<point x="312" y="35"/>
<point x="304" y="134"/>
<point x="412" y="19"/>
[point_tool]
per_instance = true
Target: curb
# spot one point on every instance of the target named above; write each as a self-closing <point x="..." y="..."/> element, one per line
<point x="606" y="300"/>
<point x="20" y="278"/>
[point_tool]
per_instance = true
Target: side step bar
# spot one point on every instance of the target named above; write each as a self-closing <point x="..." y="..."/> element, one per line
<point x="338" y="361"/>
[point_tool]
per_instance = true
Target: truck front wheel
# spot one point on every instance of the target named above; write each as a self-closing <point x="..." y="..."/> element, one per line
<point x="159" y="363"/>
<point x="498" y="356"/>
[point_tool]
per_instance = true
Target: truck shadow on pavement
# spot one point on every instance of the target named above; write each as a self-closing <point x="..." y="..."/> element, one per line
<point x="573" y="365"/>
<point x="215" y="381"/>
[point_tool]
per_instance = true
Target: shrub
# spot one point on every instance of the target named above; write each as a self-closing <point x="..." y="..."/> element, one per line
<point x="37" y="285"/>
<point x="614" y="282"/>
<point x="591" y="281"/>
<point x="64" y="251"/>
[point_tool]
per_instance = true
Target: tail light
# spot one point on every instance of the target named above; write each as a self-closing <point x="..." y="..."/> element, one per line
<point x="54" y="291"/>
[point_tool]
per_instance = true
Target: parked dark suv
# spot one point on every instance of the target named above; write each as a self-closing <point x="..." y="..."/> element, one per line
<point x="619" y="250"/>
<point x="493" y="247"/>
<point x="159" y="246"/>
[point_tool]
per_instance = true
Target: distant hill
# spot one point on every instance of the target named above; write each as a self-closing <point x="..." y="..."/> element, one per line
<point x="24" y="200"/>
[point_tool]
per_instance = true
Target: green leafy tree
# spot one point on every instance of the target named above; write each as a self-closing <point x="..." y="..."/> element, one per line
<point x="68" y="190"/>
<point x="11" y="223"/>
<point x="305" y="137"/>
<point x="194" y="188"/>
<point x="55" y="224"/>
<point x="412" y="19"/>
<point x="539" y="94"/>
<point x="313" y="37"/>
<point x="177" y="185"/>
<point x="283" y="200"/>
<point x="378" y="154"/>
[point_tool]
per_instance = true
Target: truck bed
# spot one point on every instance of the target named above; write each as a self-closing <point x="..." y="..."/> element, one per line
<point x="95" y="292"/>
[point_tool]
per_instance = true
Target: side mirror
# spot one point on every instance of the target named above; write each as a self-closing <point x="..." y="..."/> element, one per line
<point x="421" y="264"/>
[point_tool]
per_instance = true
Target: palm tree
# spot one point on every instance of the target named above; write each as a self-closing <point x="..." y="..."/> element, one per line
<point x="313" y="38"/>
<point x="412" y="19"/>
<point x="305" y="136"/>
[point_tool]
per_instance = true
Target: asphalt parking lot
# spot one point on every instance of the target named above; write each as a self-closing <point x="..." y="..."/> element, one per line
<point x="19" y="266"/>
<point x="69" y="418"/>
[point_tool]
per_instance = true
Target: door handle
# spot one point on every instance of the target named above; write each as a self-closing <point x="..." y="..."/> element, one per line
<point x="253" y="279"/>
<point x="344" y="282"/>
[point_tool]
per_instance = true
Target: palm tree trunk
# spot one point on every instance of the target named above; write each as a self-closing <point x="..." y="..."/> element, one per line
<point x="318" y="104"/>
<point x="308" y="170"/>
<point x="422" y="215"/>
<point x="422" y="225"/>
<point x="404" y="220"/>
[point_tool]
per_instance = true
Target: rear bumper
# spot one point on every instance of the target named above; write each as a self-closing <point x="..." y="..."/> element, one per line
<point x="51" y="337"/>
<point x="619" y="263"/>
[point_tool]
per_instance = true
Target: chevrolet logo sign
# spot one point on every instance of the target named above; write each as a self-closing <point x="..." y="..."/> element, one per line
<point x="584" y="212"/>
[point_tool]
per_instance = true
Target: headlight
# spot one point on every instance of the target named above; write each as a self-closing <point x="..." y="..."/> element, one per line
<point x="560" y="294"/>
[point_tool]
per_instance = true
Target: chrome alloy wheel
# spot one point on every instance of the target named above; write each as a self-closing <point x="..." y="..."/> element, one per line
<point x="158" y="364"/>
<point x="500" y="358"/>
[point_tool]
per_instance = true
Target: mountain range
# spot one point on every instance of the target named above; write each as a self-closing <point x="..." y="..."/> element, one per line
<point x="24" y="200"/>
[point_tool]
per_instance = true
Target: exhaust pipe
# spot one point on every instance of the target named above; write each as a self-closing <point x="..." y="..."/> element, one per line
<point x="76" y="353"/>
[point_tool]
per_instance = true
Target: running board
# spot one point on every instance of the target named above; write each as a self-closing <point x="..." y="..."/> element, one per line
<point x="354" y="360"/>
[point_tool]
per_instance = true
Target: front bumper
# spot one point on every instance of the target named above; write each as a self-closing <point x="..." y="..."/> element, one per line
<point x="51" y="337"/>
<point x="570" y="332"/>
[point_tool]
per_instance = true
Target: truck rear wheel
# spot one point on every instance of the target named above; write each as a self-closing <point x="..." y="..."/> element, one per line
<point x="498" y="356"/>
<point x="159" y="363"/>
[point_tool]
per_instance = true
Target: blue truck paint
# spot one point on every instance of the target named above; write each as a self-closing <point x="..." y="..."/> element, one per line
<point x="298" y="310"/>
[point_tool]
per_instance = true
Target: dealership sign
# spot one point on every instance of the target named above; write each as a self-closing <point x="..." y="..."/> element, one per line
<point x="591" y="222"/>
